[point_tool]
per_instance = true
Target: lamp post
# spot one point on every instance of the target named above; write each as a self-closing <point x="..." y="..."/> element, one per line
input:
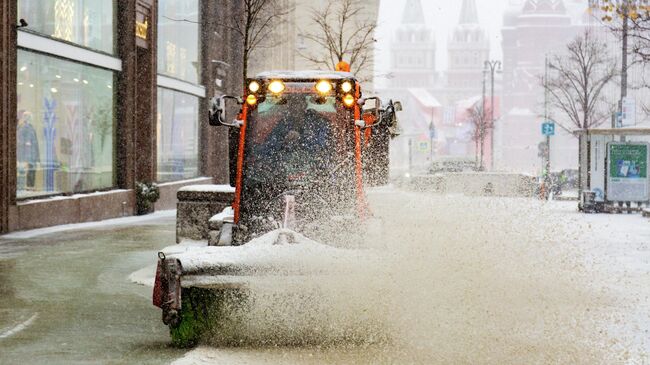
<point x="492" y="67"/>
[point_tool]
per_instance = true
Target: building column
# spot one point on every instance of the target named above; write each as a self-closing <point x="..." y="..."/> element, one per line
<point x="221" y="70"/>
<point x="8" y="14"/>
<point x="137" y="92"/>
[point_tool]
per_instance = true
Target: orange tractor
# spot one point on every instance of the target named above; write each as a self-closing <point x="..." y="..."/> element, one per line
<point x="306" y="142"/>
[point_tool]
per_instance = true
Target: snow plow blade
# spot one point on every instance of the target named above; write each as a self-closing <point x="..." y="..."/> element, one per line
<point x="193" y="279"/>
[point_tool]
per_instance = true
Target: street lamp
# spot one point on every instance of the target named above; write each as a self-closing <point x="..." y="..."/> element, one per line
<point x="492" y="66"/>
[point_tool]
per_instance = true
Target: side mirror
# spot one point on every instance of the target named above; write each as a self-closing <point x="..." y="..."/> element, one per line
<point x="370" y="112"/>
<point x="374" y="108"/>
<point x="217" y="113"/>
<point x="391" y="117"/>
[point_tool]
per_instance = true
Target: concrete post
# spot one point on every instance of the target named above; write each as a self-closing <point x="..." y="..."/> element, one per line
<point x="8" y="14"/>
<point x="136" y="110"/>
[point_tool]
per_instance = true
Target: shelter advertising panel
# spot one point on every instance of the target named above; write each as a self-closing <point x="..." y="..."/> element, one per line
<point x="627" y="175"/>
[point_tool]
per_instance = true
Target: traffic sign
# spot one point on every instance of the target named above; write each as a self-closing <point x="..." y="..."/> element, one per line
<point x="618" y="117"/>
<point x="628" y="107"/>
<point x="423" y="146"/>
<point x="548" y="129"/>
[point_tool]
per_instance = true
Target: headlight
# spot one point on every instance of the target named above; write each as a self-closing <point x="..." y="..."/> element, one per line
<point x="348" y="100"/>
<point x="346" y="86"/>
<point x="324" y="87"/>
<point x="251" y="99"/>
<point x="254" y="86"/>
<point x="276" y="87"/>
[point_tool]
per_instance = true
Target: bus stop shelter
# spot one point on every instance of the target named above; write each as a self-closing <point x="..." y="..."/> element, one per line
<point x="619" y="179"/>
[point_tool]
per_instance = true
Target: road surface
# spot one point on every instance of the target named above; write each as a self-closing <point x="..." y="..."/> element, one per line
<point x="463" y="281"/>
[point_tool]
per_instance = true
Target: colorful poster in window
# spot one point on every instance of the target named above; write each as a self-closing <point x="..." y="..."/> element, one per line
<point x="627" y="178"/>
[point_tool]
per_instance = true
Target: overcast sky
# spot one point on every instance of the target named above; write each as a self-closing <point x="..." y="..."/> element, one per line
<point x="442" y="16"/>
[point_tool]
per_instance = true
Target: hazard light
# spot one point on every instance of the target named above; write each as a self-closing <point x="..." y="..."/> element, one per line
<point x="251" y="100"/>
<point x="348" y="100"/>
<point x="346" y="86"/>
<point x="254" y="86"/>
<point x="324" y="87"/>
<point x="276" y="87"/>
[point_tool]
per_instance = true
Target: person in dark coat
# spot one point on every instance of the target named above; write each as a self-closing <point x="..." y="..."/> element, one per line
<point x="27" y="153"/>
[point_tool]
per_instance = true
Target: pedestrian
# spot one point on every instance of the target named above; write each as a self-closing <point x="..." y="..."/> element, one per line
<point x="27" y="153"/>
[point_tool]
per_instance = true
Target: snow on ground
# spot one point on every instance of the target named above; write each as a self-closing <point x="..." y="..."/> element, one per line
<point x="6" y="333"/>
<point x="465" y="280"/>
<point x="124" y="221"/>
<point x="75" y="196"/>
<point x="145" y="276"/>
<point x="209" y="188"/>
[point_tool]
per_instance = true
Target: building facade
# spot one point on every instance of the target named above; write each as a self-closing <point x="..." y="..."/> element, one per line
<point x="100" y="95"/>
<point x="532" y="30"/>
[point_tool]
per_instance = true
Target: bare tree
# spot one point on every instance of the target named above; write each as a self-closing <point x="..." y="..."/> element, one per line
<point x="578" y="80"/>
<point x="627" y="18"/>
<point x="480" y="119"/>
<point x="256" y="24"/>
<point x="342" y="34"/>
<point x="638" y="33"/>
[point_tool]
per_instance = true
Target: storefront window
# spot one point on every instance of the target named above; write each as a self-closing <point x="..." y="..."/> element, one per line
<point x="65" y="126"/>
<point x="178" y="39"/>
<point x="178" y="135"/>
<point x="88" y="23"/>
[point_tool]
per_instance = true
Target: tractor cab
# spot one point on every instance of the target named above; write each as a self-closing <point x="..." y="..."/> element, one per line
<point x="302" y="137"/>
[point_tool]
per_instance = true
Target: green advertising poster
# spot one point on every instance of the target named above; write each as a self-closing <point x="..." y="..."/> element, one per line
<point x="628" y="161"/>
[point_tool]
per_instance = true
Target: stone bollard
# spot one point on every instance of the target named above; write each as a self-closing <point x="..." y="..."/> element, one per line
<point x="196" y="205"/>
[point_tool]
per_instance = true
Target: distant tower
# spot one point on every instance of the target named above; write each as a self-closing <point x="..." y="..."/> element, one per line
<point x="413" y="51"/>
<point x="468" y="49"/>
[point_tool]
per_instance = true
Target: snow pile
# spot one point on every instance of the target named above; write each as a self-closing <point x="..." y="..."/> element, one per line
<point x="74" y="196"/>
<point x="227" y="213"/>
<point x="264" y="255"/>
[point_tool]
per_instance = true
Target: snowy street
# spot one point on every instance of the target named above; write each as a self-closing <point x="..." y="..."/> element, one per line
<point x="193" y="182"/>
<point x="464" y="280"/>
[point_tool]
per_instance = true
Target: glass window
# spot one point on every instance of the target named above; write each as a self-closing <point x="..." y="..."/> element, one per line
<point x="177" y="135"/>
<point x="178" y="39"/>
<point x="88" y="23"/>
<point x="65" y="126"/>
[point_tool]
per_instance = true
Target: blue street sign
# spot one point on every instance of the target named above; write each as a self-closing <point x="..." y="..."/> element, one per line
<point x="432" y="131"/>
<point x="548" y="129"/>
<point x="619" y="119"/>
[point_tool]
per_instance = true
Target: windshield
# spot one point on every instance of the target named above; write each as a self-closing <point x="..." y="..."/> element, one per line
<point x="293" y="135"/>
<point x="298" y="144"/>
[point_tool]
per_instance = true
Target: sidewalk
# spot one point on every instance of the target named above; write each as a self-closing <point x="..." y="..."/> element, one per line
<point x="126" y="221"/>
<point x="66" y="297"/>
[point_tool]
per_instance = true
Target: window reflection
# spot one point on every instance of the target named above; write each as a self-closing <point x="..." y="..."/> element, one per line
<point x="178" y="39"/>
<point x="88" y="23"/>
<point x="178" y="135"/>
<point x="65" y="126"/>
